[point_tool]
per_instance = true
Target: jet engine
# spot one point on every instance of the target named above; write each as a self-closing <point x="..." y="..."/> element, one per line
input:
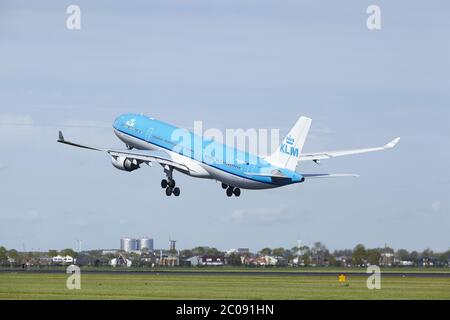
<point x="124" y="164"/>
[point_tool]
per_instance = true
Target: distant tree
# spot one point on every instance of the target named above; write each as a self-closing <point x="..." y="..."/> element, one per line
<point x="427" y="253"/>
<point x="306" y="259"/>
<point x="319" y="253"/>
<point x="186" y="253"/>
<point x="266" y="251"/>
<point x="52" y="253"/>
<point x="13" y="254"/>
<point x="213" y="252"/>
<point x="359" y="255"/>
<point x="403" y="254"/>
<point x="135" y="258"/>
<point x="373" y="256"/>
<point x="447" y="254"/>
<point x="199" y="251"/>
<point x="332" y="260"/>
<point x="288" y="254"/>
<point x="110" y="256"/>
<point x="234" y="259"/>
<point x="442" y="259"/>
<point x="3" y="254"/>
<point x="414" y="256"/>
<point x="96" y="254"/>
<point x="68" y="252"/>
<point x="304" y="250"/>
<point x="279" y="252"/>
<point x="343" y="253"/>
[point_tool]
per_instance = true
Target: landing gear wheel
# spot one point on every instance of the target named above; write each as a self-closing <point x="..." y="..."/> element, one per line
<point x="163" y="183"/>
<point x="176" y="191"/>
<point x="172" y="183"/>
<point x="129" y="147"/>
<point x="168" y="192"/>
<point x="224" y="186"/>
<point x="229" y="191"/>
<point x="237" y="192"/>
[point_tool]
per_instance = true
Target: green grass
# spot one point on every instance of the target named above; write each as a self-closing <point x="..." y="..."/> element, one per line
<point x="166" y="286"/>
<point x="247" y="269"/>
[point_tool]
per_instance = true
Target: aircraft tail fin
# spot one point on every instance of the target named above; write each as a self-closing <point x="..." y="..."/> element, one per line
<point x="287" y="154"/>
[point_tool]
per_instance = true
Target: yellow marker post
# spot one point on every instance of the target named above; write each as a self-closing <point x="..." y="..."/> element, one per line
<point x="342" y="278"/>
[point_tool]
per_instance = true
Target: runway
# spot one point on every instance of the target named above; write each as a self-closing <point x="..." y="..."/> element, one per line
<point x="240" y="273"/>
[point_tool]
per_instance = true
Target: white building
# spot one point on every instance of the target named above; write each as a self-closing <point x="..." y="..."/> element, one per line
<point x="194" y="261"/>
<point x="120" y="261"/>
<point x="271" y="261"/>
<point x="61" y="259"/>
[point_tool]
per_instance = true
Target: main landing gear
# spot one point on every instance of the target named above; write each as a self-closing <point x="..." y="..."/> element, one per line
<point x="169" y="184"/>
<point x="231" y="190"/>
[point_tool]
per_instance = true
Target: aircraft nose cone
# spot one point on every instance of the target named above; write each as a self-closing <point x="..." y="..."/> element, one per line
<point x="117" y="122"/>
<point x="121" y="120"/>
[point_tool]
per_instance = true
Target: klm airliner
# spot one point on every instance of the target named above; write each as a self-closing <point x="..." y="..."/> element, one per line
<point x="178" y="149"/>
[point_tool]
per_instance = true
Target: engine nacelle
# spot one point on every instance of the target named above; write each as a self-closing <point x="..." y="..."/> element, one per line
<point x="124" y="164"/>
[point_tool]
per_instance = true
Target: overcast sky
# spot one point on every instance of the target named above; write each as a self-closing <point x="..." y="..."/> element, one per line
<point x="232" y="64"/>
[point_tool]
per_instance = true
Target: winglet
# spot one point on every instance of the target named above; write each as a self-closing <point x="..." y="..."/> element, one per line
<point x="61" y="137"/>
<point x="392" y="143"/>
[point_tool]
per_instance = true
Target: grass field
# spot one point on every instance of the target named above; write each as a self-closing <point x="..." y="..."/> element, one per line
<point x="167" y="286"/>
<point x="242" y="268"/>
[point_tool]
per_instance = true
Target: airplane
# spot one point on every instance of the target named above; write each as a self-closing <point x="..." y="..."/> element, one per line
<point x="153" y="142"/>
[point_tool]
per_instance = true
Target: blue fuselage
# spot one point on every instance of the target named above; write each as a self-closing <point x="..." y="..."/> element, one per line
<point x="220" y="162"/>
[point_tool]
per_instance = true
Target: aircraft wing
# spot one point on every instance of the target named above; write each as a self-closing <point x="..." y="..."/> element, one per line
<point x="160" y="157"/>
<point x="331" y="154"/>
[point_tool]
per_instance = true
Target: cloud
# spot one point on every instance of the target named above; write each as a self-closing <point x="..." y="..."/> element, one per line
<point x="88" y="131"/>
<point x="30" y="216"/>
<point x="23" y="126"/>
<point x="436" y="206"/>
<point x="15" y="120"/>
<point x="79" y="123"/>
<point x="262" y="215"/>
<point x="28" y="130"/>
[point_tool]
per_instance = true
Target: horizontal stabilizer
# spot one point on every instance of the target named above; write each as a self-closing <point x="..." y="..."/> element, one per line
<point x="327" y="175"/>
<point x="276" y="176"/>
<point x="273" y="174"/>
